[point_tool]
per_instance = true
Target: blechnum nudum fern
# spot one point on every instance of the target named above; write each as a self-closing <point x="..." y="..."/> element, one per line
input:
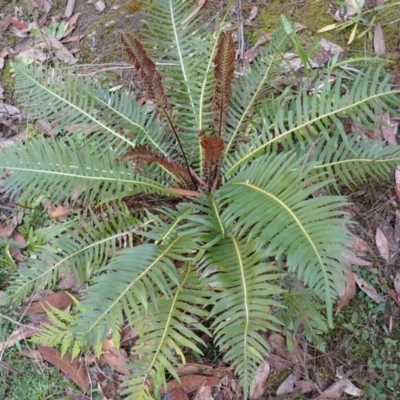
<point x="245" y="246"/>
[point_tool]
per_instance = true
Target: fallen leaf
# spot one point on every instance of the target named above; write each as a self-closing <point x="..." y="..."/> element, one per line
<point x="396" y="283"/>
<point x="176" y="394"/>
<point x="379" y="42"/>
<point x="190" y="383"/>
<point x="305" y="386"/>
<point x="42" y="5"/>
<point x="60" y="213"/>
<point x="128" y="334"/>
<point x="368" y="290"/>
<point x="252" y="15"/>
<point x="287" y="386"/>
<point x="356" y="260"/>
<point x="5" y="23"/>
<point x="388" y="129"/>
<point x="116" y="358"/>
<point x="184" y="192"/>
<point x="360" y="247"/>
<point x="75" y="370"/>
<point x="259" y="381"/>
<point x="60" y="300"/>
<point x="62" y="53"/>
<point x="98" y="4"/>
<point x="347" y="291"/>
<point x="397" y="222"/>
<point x="19" y="24"/>
<point x="200" y="5"/>
<point x="204" y="393"/>
<point x="382" y="244"/>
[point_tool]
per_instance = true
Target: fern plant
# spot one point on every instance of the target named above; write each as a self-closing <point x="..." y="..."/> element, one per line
<point x="237" y="242"/>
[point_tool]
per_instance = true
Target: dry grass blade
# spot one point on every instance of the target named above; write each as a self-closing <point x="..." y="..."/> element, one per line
<point x="147" y="71"/>
<point x="224" y="70"/>
<point x="143" y="153"/>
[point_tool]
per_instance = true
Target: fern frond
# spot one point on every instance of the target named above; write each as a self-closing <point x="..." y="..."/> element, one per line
<point x="144" y="153"/>
<point x="43" y="168"/>
<point x="224" y="68"/>
<point x="246" y="92"/>
<point x="138" y="275"/>
<point x="147" y="71"/>
<point x="308" y="116"/>
<point x="354" y="160"/>
<point x="245" y="286"/>
<point x="306" y="229"/>
<point x="164" y="333"/>
<point x="303" y="312"/>
<point x="79" y="106"/>
<point x="213" y="147"/>
<point x="74" y="248"/>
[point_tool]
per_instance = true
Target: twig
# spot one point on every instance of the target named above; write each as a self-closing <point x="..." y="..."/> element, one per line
<point x="240" y="28"/>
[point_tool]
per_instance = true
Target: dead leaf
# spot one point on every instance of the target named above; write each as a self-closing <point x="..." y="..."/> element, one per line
<point x="382" y="244"/>
<point x="369" y="290"/>
<point x="19" y="24"/>
<point x="356" y="260"/>
<point x="396" y="283"/>
<point x="347" y="291"/>
<point x="18" y="238"/>
<point x="200" y="4"/>
<point x="360" y="247"/>
<point x="98" y="4"/>
<point x="252" y="15"/>
<point x="5" y="23"/>
<point x="389" y="130"/>
<point x="176" y="394"/>
<point x="287" y="386"/>
<point x="349" y="9"/>
<point x="379" y="42"/>
<point x="204" y="393"/>
<point x="259" y="381"/>
<point x="60" y="213"/>
<point x="128" y="334"/>
<point x="75" y="370"/>
<point x="60" y="300"/>
<point x="62" y="53"/>
<point x="190" y="383"/>
<point x="305" y="386"/>
<point x="114" y="357"/>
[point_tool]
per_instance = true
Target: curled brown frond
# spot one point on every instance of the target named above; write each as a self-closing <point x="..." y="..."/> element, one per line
<point x="144" y="153"/>
<point x="146" y="69"/>
<point x="213" y="147"/>
<point x="224" y="70"/>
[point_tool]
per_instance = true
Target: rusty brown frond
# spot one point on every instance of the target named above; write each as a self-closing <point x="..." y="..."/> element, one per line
<point x="224" y="69"/>
<point x="146" y="69"/>
<point x="213" y="146"/>
<point x="143" y="153"/>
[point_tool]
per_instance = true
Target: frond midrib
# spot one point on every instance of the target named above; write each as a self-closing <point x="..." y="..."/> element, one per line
<point x="278" y="138"/>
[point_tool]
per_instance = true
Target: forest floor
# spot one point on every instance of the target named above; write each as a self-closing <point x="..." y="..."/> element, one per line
<point x="365" y="343"/>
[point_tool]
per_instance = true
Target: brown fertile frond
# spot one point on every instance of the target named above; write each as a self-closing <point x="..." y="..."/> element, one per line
<point x="223" y="72"/>
<point x="143" y="153"/>
<point x="146" y="69"/>
<point x="213" y="147"/>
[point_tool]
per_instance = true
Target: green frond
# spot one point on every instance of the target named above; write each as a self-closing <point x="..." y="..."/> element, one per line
<point x="138" y="274"/>
<point x="82" y="108"/>
<point x="310" y="115"/>
<point x="269" y="201"/>
<point x="246" y="92"/>
<point x="166" y="331"/>
<point x="77" y="248"/>
<point x="303" y="313"/>
<point x="41" y="168"/>
<point x="354" y="160"/>
<point x="245" y="286"/>
<point x="188" y="50"/>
